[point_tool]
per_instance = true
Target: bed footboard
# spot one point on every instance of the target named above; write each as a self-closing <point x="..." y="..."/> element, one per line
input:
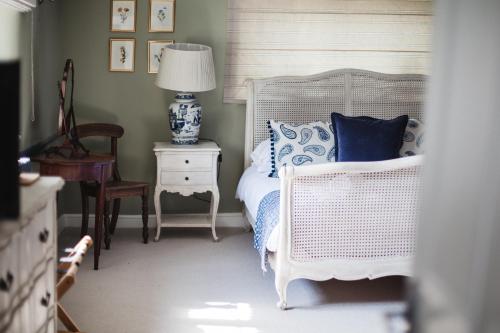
<point x="347" y="220"/>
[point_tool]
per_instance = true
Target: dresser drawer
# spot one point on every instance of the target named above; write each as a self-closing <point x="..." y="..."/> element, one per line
<point x="42" y="299"/>
<point x="9" y="278"/>
<point x="21" y="320"/>
<point x="37" y="239"/>
<point x="186" y="162"/>
<point x="186" y="178"/>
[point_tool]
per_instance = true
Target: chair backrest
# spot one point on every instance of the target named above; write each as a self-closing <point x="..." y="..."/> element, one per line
<point x="99" y="129"/>
<point x="103" y="130"/>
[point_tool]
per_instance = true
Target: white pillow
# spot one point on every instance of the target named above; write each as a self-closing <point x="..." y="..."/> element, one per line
<point x="413" y="139"/>
<point x="300" y="144"/>
<point x="261" y="156"/>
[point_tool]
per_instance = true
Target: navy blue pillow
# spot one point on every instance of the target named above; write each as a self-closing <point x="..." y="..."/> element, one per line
<point x="367" y="139"/>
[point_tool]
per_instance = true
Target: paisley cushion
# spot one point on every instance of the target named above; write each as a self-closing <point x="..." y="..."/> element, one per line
<point x="413" y="139"/>
<point x="300" y="144"/>
<point x="366" y="138"/>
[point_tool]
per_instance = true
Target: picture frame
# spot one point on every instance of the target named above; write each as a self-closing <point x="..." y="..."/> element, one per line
<point x="123" y="15"/>
<point x="121" y="54"/>
<point x="161" y="15"/>
<point x="155" y="51"/>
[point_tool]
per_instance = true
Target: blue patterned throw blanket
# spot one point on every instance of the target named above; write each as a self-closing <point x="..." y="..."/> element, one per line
<point x="267" y="219"/>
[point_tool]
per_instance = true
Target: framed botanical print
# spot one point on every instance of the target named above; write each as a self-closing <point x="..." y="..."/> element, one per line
<point x="161" y="15"/>
<point x="121" y="54"/>
<point x="155" y="52"/>
<point x="123" y="15"/>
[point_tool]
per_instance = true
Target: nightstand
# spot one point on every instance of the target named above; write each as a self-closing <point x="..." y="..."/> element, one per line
<point x="186" y="169"/>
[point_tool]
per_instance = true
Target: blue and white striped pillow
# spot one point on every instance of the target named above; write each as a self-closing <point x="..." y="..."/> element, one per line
<point x="300" y="144"/>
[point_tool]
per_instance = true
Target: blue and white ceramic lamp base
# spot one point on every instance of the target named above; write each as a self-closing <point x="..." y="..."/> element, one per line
<point x="185" y="119"/>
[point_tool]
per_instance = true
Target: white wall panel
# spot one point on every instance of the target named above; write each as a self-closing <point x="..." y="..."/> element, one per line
<point x="297" y="37"/>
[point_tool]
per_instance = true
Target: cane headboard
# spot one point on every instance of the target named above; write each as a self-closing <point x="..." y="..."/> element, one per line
<point x="352" y="92"/>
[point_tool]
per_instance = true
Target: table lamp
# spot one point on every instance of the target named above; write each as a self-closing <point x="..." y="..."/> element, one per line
<point x="186" y="68"/>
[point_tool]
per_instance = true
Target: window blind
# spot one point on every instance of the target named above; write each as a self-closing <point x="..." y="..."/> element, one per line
<point x="268" y="38"/>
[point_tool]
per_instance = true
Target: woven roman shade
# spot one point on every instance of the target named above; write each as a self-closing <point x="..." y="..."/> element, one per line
<point x="267" y="38"/>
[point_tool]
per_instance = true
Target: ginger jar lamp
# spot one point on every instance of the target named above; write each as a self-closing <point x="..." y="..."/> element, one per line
<point x="186" y="68"/>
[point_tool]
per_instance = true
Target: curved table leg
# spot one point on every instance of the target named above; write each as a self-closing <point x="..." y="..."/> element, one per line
<point x="158" y="191"/>
<point x="214" y="206"/>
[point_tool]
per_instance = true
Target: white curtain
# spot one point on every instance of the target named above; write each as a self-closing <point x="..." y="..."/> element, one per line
<point x="458" y="253"/>
<point x="268" y="38"/>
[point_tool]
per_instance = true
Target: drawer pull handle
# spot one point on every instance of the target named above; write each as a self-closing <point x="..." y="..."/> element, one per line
<point x="45" y="300"/>
<point x="187" y="161"/>
<point x="186" y="179"/>
<point x="6" y="284"/>
<point x="43" y="236"/>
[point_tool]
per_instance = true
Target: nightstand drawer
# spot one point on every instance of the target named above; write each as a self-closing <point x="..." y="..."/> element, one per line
<point x="186" y="178"/>
<point x="181" y="162"/>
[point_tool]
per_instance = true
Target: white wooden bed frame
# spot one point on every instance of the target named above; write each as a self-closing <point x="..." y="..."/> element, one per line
<point x="348" y="220"/>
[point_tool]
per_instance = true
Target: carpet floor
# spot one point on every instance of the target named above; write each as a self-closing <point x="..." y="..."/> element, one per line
<point x="187" y="283"/>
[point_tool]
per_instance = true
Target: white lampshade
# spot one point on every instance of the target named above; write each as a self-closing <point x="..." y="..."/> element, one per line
<point x="186" y="67"/>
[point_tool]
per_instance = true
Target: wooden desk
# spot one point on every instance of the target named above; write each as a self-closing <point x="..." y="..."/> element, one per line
<point x="90" y="168"/>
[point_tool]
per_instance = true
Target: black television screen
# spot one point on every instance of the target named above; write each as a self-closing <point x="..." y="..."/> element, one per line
<point x="9" y="136"/>
<point x="10" y="86"/>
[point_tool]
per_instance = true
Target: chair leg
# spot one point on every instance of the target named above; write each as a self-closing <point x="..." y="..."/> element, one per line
<point x="85" y="210"/>
<point x="66" y="319"/>
<point x="145" y="231"/>
<point x="107" y="238"/>
<point x="114" y="217"/>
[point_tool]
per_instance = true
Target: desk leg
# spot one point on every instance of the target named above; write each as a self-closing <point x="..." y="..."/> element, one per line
<point x="85" y="210"/>
<point x="99" y="206"/>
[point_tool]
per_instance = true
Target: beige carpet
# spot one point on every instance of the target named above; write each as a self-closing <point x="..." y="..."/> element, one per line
<point x="187" y="283"/>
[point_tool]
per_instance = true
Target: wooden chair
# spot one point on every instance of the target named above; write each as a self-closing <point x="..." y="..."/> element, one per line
<point x="67" y="270"/>
<point x="116" y="189"/>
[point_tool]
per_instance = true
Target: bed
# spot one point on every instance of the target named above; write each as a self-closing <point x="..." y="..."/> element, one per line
<point x="343" y="220"/>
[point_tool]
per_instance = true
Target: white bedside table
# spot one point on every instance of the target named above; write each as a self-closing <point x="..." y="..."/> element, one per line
<point x="186" y="169"/>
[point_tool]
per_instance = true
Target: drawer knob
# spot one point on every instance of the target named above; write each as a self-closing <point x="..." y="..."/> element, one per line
<point x="186" y="179"/>
<point x="43" y="236"/>
<point x="6" y="283"/>
<point x="45" y="300"/>
<point x="187" y="161"/>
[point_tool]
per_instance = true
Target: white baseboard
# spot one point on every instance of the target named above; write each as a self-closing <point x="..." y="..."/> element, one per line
<point x="224" y="220"/>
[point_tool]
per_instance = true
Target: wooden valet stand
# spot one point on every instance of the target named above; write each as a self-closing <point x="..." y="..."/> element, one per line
<point x="71" y="148"/>
<point x="67" y="270"/>
<point x="72" y="161"/>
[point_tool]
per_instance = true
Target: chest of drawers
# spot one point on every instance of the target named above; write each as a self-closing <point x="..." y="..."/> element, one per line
<point x="186" y="169"/>
<point x="28" y="260"/>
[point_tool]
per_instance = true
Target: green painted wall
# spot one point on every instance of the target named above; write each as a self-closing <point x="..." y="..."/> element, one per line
<point x="134" y="102"/>
<point x="47" y="70"/>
